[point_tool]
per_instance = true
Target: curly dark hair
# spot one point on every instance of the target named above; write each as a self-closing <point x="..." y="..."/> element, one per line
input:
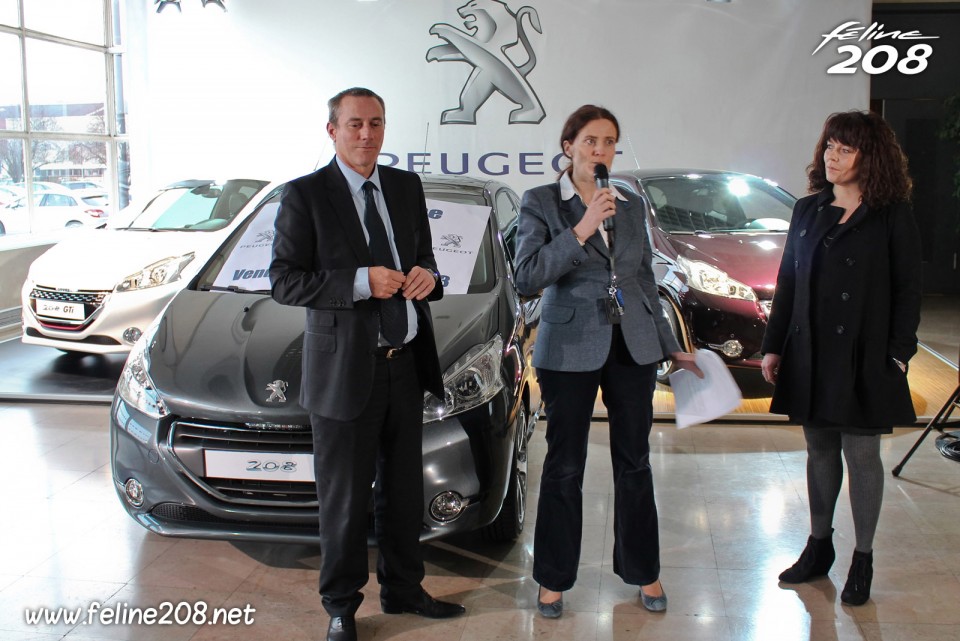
<point x="881" y="166"/>
<point x="581" y="118"/>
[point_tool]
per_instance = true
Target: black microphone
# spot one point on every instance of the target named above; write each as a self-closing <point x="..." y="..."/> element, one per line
<point x="602" y="176"/>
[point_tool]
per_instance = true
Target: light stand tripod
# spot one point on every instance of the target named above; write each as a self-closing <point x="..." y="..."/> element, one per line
<point x="947" y="442"/>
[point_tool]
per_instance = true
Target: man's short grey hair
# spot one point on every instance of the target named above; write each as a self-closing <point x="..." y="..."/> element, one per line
<point x="333" y="105"/>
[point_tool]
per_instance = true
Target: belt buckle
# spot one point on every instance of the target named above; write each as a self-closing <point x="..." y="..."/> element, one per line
<point x="393" y="352"/>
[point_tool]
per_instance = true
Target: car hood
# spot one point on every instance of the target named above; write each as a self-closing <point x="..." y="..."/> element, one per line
<point x="751" y="258"/>
<point x="219" y="355"/>
<point x="99" y="259"/>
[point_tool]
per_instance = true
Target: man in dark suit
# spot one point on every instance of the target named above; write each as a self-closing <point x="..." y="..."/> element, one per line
<point x="353" y="246"/>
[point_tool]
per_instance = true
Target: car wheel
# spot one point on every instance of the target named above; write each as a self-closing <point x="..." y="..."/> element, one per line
<point x="74" y="223"/>
<point x="3" y="230"/>
<point x="509" y="523"/>
<point x="667" y="367"/>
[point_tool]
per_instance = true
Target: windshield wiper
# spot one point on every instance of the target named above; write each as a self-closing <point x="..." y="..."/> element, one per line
<point x="232" y="288"/>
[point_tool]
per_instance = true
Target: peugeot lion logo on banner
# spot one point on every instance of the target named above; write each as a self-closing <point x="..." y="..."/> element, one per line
<point x="491" y="29"/>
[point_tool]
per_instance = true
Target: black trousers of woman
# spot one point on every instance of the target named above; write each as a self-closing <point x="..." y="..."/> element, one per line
<point x="569" y="398"/>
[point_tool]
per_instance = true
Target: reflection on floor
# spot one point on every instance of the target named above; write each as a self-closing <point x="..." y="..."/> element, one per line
<point x="32" y="372"/>
<point x="732" y="506"/>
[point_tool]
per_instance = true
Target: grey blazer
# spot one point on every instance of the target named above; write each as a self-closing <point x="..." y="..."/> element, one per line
<point x="574" y="334"/>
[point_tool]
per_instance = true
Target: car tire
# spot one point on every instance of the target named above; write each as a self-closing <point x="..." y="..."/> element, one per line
<point x="667" y="367"/>
<point x="3" y="229"/>
<point x="513" y="513"/>
<point x="74" y="223"/>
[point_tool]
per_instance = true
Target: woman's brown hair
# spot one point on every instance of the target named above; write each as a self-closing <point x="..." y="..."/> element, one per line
<point x="881" y="165"/>
<point x="580" y="119"/>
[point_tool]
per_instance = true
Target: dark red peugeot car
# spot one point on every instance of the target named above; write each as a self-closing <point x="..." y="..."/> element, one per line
<point x="717" y="239"/>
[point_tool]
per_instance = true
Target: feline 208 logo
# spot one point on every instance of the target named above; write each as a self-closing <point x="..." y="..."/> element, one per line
<point x="490" y="29"/>
<point x="880" y="58"/>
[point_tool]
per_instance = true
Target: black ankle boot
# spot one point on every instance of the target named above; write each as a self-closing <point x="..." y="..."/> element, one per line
<point x="857" y="589"/>
<point x="815" y="560"/>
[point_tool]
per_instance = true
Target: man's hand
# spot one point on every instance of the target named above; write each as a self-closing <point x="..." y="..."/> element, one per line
<point x="688" y="361"/>
<point x="418" y="284"/>
<point x="384" y="282"/>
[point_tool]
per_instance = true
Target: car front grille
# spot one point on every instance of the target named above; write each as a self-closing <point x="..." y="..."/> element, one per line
<point x="91" y="300"/>
<point x="190" y="439"/>
<point x="179" y="513"/>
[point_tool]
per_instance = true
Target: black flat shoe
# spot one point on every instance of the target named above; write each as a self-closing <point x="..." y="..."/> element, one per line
<point x="815" y="560"/>
<point x="857" y="589"/>
<point x="342" y="629"/>
<point x="551" y="610"/>
<point x="423" y="605"/>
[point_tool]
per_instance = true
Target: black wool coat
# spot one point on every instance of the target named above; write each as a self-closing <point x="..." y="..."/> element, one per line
<point x="838" y="333"/>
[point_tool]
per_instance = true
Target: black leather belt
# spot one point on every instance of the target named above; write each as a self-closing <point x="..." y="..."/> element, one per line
<point x="390" y="352"/>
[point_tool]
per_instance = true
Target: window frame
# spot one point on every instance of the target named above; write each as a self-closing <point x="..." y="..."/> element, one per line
<point x="112" y="138"/>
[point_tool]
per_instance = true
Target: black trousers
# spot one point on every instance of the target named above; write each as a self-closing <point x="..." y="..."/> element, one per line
<point x="569" y="398"/>
<point x="384" y="444"/>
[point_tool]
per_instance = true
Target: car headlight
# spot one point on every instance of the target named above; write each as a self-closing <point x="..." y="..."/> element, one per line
<point x="473" y="380"/>
<point x="136" y="388"/>
<point x="711" y="280"/>
<point x="159" y="273"/>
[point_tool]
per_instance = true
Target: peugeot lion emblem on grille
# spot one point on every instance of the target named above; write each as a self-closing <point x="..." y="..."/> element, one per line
<point x="277" y="389"/>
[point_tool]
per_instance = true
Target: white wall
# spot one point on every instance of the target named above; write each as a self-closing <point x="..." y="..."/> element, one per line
<point x="695" y="84"/>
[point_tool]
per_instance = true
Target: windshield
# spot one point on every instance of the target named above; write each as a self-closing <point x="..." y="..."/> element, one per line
<point x="206" y="207"/>
<point x="715" y="203"/>
<point x="242" y="264"/>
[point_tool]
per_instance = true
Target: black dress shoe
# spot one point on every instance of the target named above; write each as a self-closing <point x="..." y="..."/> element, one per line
<point x="423" y="605"/>
<point x="342" y="629"/>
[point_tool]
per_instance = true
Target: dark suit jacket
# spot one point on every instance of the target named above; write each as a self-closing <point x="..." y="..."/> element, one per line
<point x="838" y="333"/>
<point x="318" y="247"/>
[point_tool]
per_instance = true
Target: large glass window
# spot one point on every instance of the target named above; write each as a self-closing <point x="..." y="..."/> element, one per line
<point x="11" y="83"/>
<point x="74" y="19"/>
<point x="67" y="87"/>
<point x="62" y="112"/>
<point x="9" y="13"/>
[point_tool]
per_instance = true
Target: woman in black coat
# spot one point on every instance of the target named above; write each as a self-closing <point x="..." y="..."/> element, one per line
<point x="843" y="328"/>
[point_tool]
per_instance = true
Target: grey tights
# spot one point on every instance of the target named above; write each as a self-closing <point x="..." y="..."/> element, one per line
<point x="825" y="476"/>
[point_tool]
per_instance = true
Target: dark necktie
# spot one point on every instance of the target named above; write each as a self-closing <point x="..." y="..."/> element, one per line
<point x="393" y="311"/>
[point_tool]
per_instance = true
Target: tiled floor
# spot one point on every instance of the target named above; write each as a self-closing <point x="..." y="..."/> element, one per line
<point x="732" y="506"/>
<point x="732" y="516"/>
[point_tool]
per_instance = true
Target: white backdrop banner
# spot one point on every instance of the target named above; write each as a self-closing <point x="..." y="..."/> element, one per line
<point x="482" y="87"/>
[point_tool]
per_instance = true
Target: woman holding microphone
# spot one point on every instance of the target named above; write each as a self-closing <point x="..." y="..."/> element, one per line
<point x="585" y="246"/>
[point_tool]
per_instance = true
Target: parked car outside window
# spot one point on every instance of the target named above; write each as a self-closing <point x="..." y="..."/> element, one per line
<point x="52" y="210"/>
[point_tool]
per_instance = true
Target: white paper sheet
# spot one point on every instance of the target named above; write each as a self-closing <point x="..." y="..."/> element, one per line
<point x="699" y="400"/>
